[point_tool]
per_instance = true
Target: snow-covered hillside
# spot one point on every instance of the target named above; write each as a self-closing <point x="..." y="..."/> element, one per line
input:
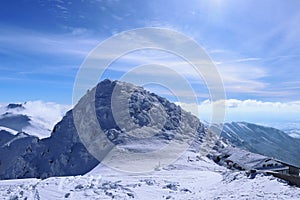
<point x="291" y="128"/>
<point x="190" y="177"/>
<point x="36" y="118"/>
<point x="263" y="140"/>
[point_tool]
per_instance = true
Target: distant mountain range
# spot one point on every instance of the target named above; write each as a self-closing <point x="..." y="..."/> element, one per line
<point x="291" y="128"/>
<point x="263" y="140"/>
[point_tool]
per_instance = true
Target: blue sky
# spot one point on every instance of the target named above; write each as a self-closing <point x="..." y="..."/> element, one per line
<point x="254" y="44"/>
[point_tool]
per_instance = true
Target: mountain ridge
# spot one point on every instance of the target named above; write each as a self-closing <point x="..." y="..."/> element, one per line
<point x="267" y="141"/>
<point x="63" y="152"/>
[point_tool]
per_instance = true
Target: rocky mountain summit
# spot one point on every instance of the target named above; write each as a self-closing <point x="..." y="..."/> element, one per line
<point x="152" y="122"/>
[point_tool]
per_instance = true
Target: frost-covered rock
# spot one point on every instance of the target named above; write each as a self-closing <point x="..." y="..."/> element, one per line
<point x="64" y="153"/>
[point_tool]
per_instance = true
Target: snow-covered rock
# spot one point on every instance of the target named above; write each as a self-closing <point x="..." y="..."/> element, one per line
<point x="64" y="153"/>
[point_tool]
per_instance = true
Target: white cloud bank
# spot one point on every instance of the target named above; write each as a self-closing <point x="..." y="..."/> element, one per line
<point x="282" y="115"/>
<point x="46" y="114"/>
<point x="43" y="115"/>
<point x="251" y="111"/>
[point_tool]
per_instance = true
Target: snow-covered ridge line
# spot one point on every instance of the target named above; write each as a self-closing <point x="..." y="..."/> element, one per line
<point x="263" y="140"/>
<point x="14" y="132"/>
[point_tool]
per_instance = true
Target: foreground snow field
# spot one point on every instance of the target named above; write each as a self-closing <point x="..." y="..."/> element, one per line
<point x="193" y="179"/>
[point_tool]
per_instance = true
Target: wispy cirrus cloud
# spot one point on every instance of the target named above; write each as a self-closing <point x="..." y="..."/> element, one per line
<point x="74" y="43"/>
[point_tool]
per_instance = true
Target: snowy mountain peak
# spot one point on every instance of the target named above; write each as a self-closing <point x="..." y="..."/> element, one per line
<point x="15" y="106"/>
<point x="144" y="125"/>
<point x="136" y="124"/>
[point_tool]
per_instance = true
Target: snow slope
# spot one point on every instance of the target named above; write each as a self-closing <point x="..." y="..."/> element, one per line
<point x="198" y="178"/>
<point x="14" y="132"/>
<point x="263" y="140"/>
